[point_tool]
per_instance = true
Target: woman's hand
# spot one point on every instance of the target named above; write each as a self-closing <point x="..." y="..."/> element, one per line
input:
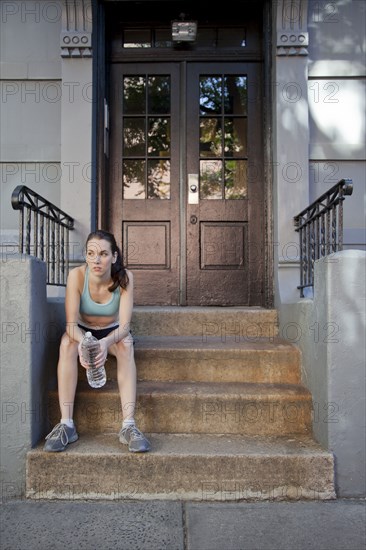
<point x="100" y="358"/>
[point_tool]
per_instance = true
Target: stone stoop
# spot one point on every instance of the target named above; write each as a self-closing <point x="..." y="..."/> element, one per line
<point x="221" y="400"/>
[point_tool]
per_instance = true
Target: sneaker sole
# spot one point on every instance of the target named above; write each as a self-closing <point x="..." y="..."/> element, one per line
<point x="124" y="442"/>
<point x="139" y="450"/>
<point x="72" y="440"/>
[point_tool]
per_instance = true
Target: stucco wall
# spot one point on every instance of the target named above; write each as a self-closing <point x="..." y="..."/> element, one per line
<point x="31" y="328"/>
<point x="30" y="107"/>
<point x="319" y="127"/>
<point x="337" y="106"/>
<point x="330" y="331"/>
<point x="330" y="328"/>
<point x="23" y="384"/>
<point x="45" y="109"/>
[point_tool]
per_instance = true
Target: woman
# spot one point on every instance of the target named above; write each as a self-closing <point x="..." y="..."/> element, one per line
<point x="99" y="299"/>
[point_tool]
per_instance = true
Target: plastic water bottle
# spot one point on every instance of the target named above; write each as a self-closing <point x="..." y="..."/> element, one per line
<point x="90" y="348"/>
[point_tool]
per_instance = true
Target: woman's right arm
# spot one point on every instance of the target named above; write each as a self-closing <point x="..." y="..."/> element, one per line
<point x="72" y="305"/>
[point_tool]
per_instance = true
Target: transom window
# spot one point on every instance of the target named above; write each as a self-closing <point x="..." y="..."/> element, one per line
<point x="207" y="37"/>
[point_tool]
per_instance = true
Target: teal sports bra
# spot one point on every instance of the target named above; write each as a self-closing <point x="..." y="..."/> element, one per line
<point x="89" y="307"/>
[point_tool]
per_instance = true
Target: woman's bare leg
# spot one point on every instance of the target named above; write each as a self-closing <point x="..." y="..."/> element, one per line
<point x="67" y="375"/>
<point x="126" y="375"/>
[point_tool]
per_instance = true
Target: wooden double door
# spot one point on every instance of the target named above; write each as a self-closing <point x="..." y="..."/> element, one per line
<point x="186" y="188"/>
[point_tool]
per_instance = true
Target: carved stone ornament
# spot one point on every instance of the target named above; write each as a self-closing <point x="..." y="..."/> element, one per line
<point x="292" y="35"/>
<point x="75" y="39"/>
<point x="294" y="43"/>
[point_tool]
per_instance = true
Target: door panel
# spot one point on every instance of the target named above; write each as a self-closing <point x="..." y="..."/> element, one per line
<point x="144" y="174"/>
<point x="225" y="221"/>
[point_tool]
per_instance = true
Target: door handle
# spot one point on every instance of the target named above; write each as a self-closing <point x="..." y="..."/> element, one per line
<point x="193" y="195"/>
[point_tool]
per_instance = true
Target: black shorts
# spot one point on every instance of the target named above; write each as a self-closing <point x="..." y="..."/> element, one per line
<point x="100" y="333"/>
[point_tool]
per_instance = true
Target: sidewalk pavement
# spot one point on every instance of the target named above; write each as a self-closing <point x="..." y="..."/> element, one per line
<point x="173" y="525"/>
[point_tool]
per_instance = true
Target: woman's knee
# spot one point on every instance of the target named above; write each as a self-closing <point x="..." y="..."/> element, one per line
<point x="68" y="345"/>
<point x="124" y="349"/>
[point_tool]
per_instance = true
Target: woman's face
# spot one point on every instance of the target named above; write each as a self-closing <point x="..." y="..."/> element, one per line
<point x="99" y="256"/>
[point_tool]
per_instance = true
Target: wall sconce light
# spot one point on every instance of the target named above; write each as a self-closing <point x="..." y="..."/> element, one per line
<point x="184" y="31"/>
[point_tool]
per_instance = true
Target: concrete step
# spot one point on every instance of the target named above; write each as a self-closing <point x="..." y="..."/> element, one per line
<point x="219" y="393"/>
<point x="189" y="358"/>
<point x="184" y="467"/>
<point x="196" y="407"/>
<point x="243" y="322"/>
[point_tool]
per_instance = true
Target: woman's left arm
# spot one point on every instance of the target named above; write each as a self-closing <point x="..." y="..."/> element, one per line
<point x="125" y="314"/>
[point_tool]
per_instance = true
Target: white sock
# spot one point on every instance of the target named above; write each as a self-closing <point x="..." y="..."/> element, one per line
<point x="128" y="422"/>
<point x="68" y="421"/>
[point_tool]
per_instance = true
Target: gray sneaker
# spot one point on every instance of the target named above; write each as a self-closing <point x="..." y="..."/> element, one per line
<point x="60" y="437"/>
<point x="136" y="441"/>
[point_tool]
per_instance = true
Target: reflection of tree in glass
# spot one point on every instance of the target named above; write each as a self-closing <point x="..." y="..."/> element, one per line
<point x="210" y="137"/>
<point x="235" y="133"/>
<point x="210" y="95"/>
<point x="235" y="95"/>
<point x="134" y="95"/>
<point x="235" y="179"/>
<point x="159" y="170"/>
<point x="232" y="89"/>
<point x="159" y="137"/>
<point x="133" y="179"/>
<point x="223" y="136"/>
<point x="159" y="180"/>
<point x="159" y="95"/>
<point x="210" y="179"/>
<point x="133" y="136"/>
<point x="153" y="141"/>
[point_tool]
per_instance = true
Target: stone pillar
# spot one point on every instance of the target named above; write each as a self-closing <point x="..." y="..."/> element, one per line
<point x="25" y="343"/>
<point x="76" y="120"/>
<point x="338" y="390"/>
<point x="291" y="141"/>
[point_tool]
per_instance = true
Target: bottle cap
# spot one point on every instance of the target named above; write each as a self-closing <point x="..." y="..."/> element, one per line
<point x="88" y="334"/>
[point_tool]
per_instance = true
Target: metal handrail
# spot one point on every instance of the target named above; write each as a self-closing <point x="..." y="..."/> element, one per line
<point x="43" y="232"/>
<point x="320" y="228"/>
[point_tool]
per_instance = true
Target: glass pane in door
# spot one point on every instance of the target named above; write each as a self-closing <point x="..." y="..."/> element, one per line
<point x="223" y="136"/>
<point x="146" y="120"/>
